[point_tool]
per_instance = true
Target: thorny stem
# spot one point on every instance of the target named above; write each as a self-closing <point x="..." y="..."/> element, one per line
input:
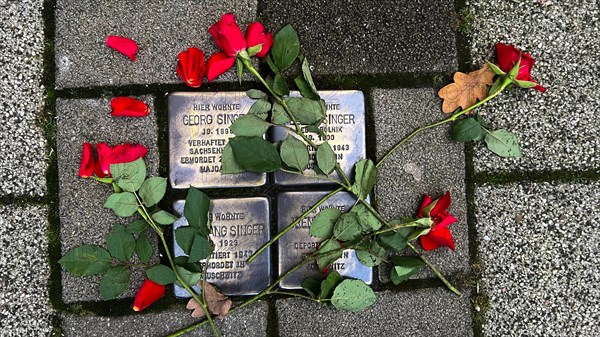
<point x="434" y="270"/>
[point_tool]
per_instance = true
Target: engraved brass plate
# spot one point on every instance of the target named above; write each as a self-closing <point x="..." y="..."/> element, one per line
<point x="198" y="131"/>
<point x="295" y="244"/>
<point x="239" y="227"/>
<point x="344" y="129"/>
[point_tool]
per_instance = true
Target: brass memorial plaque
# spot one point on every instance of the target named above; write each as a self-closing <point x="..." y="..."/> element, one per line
<point x="297" y="243"/>
<point x="198" y="131"/>
<point x="344" y="129"/>
<point x="239" y="227"/>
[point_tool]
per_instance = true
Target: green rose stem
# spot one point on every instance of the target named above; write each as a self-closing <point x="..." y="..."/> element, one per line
<point x="146" y="215"/>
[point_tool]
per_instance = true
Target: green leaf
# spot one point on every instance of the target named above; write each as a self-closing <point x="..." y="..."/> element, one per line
<point x="373" y="255"/>
<point x="86" y="260"/>
<point x="279" y="116"/>
<point x="405" y="267"/>
<point x="124" y="204"/>
<point x="311" y="286"/>
<point x="347" y="227"/>
<point x="365" y="174"/>
<point x="255" y="154"/>
<point x="129" y="176"/>
<point x="189" y="277"/>
<point x="114" y="283"/>
<point x="197" y="206"/>
<point x="137" y="227"/>
<point x="201" y="249"/>
<point x="306" y="111"/>
<point x="322" y="225"/>
<point x="260" y="108"/>
<point x="143" y="248"/>
<point x="255" y="94"/>
<point x="496" y="69"/>
<point x="304" y="88"/>
<point x="503" y="143"/>
<point x="164" y="217"/>
<point x="294" y="153"/>
<point x="285" y="49"/>
<point x="393" y="241"/>
<point x="314" y="94"/>
<point x="228" y="162"/>
<point x="368" y="221"/>
<point x="272" y="65"/>
<point x="153" y="190"/>
<point x="161" y="274"/>
<point x="240" y="69"/>
<point x="326" y="158"/>
<point x="329" y="284"/>
<point x="249" y="126"/>
<point x="353" y="295"/>
<point x="327" y="256"/>
<point x="120" y="244"/>
<point x="279" y="86"/>
<point x="467" y="129"/>
<point x="185" y="238"/>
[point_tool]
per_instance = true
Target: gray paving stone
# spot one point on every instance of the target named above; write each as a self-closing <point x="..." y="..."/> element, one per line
<point x="23" y="154"/>
<point x="82" y="217"/>
<point x="540" y="248"/>
<point x="425" y="312"/>
<point x="161" y="28"/>
<point x="366" y="37"/>
<point x="25" y="308"/>
<point x="557" y="129"/>
<point x="248" y="322"/>
<point x="431" y="163"/>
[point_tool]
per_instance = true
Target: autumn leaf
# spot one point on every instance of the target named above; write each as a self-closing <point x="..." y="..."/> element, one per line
<point x="466" y="89"/>
<point x="218" y="303"/>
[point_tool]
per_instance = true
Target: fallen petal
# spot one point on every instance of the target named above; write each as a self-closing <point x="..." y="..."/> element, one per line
<point x="217" y="64"/>
<point x="126" y="153"/>
<point x="104" y="159"/>
<point x="148" y="293"/>
<point x="86" y="168"/>
<point x="123" y="45"/>
<point x="128" y="107"/>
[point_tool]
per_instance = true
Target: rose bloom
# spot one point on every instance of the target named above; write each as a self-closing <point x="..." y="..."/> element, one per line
<point x="255" y="35"/>
<point x="228" y="35"/>
<point x="439" y="235"/>
<point x="508" y="56"/>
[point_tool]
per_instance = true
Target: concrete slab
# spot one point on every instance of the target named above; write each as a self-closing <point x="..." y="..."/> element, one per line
<point x="429" y="163"/>
<point x="25" y="308"/>
<point x="425" y="312"/>
<point x="540" y="249"/>
<point x="82" y="217"/>
<point x="162" y="29"/>
<point x="23" y="154"/>
<point x="557" y="129"/>
<point x="248" y="322"/>
<point x="364" y="37"/>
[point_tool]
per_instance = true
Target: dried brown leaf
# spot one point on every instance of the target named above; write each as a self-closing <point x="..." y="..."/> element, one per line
<point x="466" y="89"/>
<point x="218" y="304"/>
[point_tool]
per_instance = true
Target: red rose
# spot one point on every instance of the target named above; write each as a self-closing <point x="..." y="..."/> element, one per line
<point x="190" y="66"/>
<point x="128" y="107"/>
<point x="228" y="35"/>
<point x="217" y="64"/>
<point x="508" y="56"/>
<point x="255" y="35"/>
<point x="123" y="45"/>
<point x="107" y="155"/>
<point x="439" y="235"/>
<point x="148" y="293"/>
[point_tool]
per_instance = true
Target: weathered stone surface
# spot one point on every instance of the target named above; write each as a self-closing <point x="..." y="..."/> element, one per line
<point x="25" y="308"/>
<point x="363" y="37"/>
<point x="248" y="322"/>
<point x="540" y="251"/>
<point x="418" y="313"/>
<point x="23" y="153"/>
<point x="430" y="163"/>
<point x="82" y="217"/>
<point x="162" y="29"/>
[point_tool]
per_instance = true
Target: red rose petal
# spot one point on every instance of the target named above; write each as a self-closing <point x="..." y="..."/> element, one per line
<point x="436" y="238"/>
<point x="86" y="168"/>
<point x="104" y="159"/>
<point x="128" y="107"/>
<point x="445" y="222"/>
<point x="441" y="205"/>
<point x="190" y="67"/>
<point x="123" y="45"/>
<point x="148" y="293"/>
<point x="228" y="35"/>
<point x="255" y="35"/>
<point x="424" y="204"/>
<point x="217" y="64"/>
<point x="126" y="153"/>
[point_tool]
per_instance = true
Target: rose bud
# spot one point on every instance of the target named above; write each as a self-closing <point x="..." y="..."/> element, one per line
<point x="148" y="293"/>
<point x="86" y="168"/>
<point x="256" y="35"/>
<point x="217" y="64"/>
<point x="509" y="55"/>
<point x="190" y="67"/>
<point x="228" y="35"/>
<point x="123" y="45"/>
<point x="439" y="235"/>
<point x="128" y="107"/>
